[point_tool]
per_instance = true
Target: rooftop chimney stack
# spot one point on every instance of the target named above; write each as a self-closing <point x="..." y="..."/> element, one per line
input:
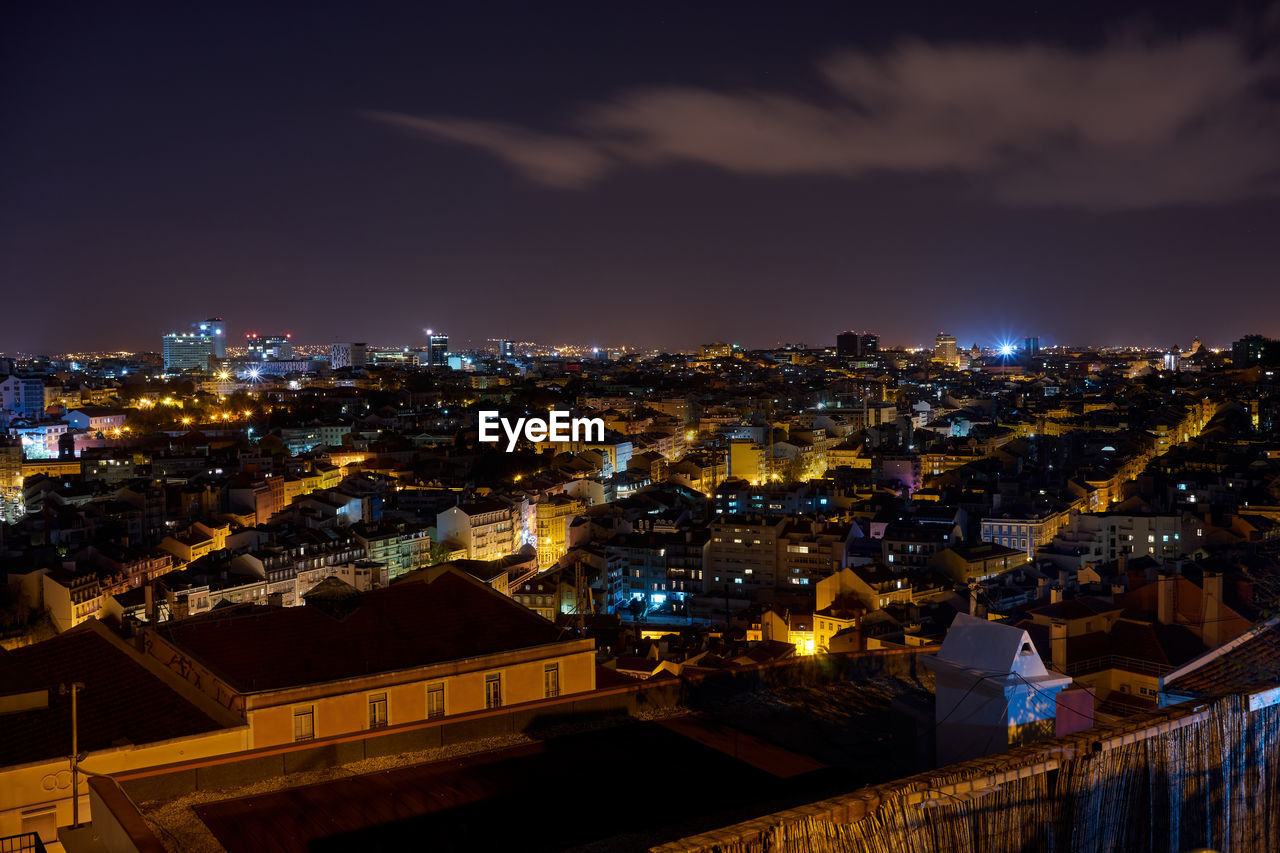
<point x="1212" y="609"/>
<point x="1058" y="644"/>
<point x="1164" y="592"/>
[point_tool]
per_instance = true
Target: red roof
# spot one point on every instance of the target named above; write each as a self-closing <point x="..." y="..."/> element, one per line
<point x="407" y="625"/>
<point x="121" y="703"/>
<point x="1252" y="664"/>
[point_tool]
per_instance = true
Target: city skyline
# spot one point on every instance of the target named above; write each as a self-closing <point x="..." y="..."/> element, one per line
<point x="412" y="413"/>
<point x="921" y="341"/>
<point x="263" y="164"/>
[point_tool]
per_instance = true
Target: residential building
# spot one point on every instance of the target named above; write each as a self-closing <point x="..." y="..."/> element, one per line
<point x="400" y="547"/>
<point x="553" y="515"/>
<point x="1026" y="530"/>
<point x="436" y="644"/>
<point x="485" y="530"/>
<point x="993" y="690"/>
<point x="743" y="552"/>
<point x="23" y="396"/>
<point x="977" y="562"/>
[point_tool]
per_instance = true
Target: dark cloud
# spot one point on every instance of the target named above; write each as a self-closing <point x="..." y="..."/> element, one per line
<point x="1128" y="125"/>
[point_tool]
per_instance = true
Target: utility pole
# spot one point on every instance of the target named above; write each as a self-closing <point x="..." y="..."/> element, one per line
<point x="74" y="688"/>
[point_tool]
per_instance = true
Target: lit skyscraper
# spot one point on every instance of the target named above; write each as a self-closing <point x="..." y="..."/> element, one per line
<point x="269" y="347"/>
<point x="216" y="330"/>
<point x="437" y="349"/>
<point x="944" y="349"/>
<point x="192" y="350"/>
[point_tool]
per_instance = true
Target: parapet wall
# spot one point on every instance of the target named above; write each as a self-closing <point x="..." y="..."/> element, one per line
<point x="1187" y="777"/>
<point x="636" y="699"/>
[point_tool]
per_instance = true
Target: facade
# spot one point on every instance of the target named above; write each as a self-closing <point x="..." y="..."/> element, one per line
<point x="992" y="690"/>
<point x="983" y="561"/>
<point x="437" y="349"/>
<point x="905" y="545"/>
<point x="96" y="419"/>
<point x="643" y="559"/>
<point x="23" y="396"/>
<point x="743" y="553"/>
<point x="811" y="550"/>
<point x="71" y="598"/>
<point x="540" y="594"/>
<point x="553" y="516"/>
<point x="399" y="548"/>
<point x="1025" y="531"/>
<point x="944" y="350"/>
<point x="352" y="354"/>
<point x="1104" y="537"/>
<point x="485" y="530"/>
<point x="192" y="350"/>
<point x="857" y="344"/>
<point x="458" y="647"/>
<point x="134" y="711"/>
<point x="269" y="347"/>
<point x="1251" y="349"/>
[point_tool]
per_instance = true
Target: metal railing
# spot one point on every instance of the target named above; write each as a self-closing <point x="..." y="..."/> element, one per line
<point x="27" y="842"/>
<point x="1128" y="664"/>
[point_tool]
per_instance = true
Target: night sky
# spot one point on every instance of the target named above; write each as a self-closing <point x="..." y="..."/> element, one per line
<point x="643" y="173"/>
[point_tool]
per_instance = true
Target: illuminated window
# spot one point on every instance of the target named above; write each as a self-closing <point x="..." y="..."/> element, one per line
<point x="377" y="710"/>
<point x="435" y="701"/>
<point x="304" y="723"/>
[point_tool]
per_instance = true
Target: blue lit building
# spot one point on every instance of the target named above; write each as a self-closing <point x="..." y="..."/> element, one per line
<point x="23" y="396"/>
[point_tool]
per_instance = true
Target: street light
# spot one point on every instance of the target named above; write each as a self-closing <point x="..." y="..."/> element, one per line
<point x="63" y="689"/>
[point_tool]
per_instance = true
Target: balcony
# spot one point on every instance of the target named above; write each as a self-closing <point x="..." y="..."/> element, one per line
<point x="27" y="842"/>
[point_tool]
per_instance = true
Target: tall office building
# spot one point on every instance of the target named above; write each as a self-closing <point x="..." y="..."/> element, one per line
<point x="944" y="349"/>
<point x="857" y="344"/>
<point x="506" y="350"/>
<point x="1031" y="345"/>
<point x="216" y="330"/>
<point x="354" y="354"/>
<point x="1251" y="349"/>
<point x="437" y="349"/>
<point x="269" y="347"/>
<point x="192" y="350"/>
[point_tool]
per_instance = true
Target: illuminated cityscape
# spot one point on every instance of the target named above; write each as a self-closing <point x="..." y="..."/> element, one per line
<point x="858" y="431"/>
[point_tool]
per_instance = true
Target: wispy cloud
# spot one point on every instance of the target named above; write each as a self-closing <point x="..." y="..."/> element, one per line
<point x="1130" y="124"/>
